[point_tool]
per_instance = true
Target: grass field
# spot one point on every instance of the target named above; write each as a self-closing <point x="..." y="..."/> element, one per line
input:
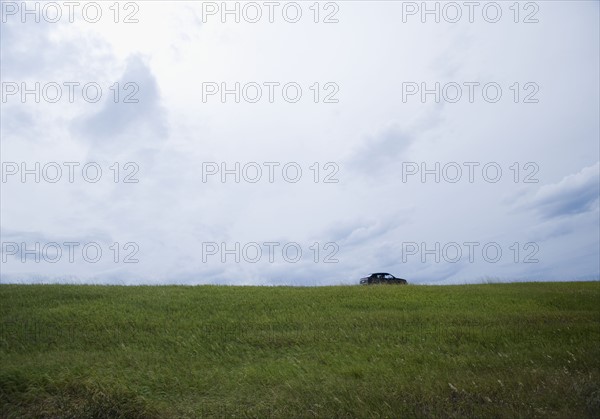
<point x="494" y="350"/>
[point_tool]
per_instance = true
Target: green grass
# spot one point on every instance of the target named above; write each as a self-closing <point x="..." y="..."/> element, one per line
<point x="494" y="350"/>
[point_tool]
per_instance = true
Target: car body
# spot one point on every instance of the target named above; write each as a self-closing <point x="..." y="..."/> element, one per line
<point x="382" y="278"/>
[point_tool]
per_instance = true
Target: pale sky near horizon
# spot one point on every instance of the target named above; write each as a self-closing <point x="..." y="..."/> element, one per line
<point x="491" y="175"/>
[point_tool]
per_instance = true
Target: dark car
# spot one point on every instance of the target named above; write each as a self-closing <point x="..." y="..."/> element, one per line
<point x="382" y="278"/>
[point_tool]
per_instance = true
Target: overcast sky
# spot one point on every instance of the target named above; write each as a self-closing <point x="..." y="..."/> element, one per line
<point x="458" y="151"/>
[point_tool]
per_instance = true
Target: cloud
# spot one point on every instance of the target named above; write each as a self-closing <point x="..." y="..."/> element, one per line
<point x="16" y="124"/>
<point x="26" y="46"/>
<point x="52" y="51"/>
<point x="383" y="150"/>
<point x="574" y="194"/>
<point x="140" y="120"/>
<point x="358" y="232"/>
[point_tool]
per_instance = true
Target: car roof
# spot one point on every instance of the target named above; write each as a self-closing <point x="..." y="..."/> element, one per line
<point x="380" y="273"/>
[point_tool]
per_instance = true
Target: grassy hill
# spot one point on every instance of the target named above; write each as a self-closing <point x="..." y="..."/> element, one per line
<point x="495" y="350"/>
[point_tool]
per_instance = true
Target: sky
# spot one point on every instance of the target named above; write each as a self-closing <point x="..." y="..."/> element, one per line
<point x="299" y="143"/>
